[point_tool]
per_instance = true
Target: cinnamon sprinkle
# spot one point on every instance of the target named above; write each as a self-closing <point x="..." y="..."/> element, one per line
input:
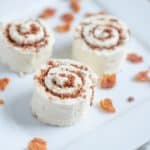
<point x="78" y="92"/>
<point x="36" y="45"/>
<point x="4" y="83"/>
<point x="92" y="96"/>
<point x="70" y="81"/>
<point x="89" y="14"/>
<point x="97" y="47"/>
<point x="37" y="144"/>
<point x="34" y="29"/>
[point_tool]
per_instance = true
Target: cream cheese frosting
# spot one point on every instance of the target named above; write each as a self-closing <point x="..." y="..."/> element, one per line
<point x="25" y="45"/>
<point x="101" y="42"/>
<point x="63" y="92"/>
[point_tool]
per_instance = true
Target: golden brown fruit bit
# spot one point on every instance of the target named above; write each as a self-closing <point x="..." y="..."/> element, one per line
<point x="134" y="58"/>
<point x="47" y="13"/>
<point x="108" y="81"/>
<point x="75" y="5"/>
<point x="3" y="83"/>
<point x="143" y="76"/>
<point x="67" y="17"/>
<point x="64" y="27"/>
<point x="106" y="105"/>
<point x="37" y="144"/>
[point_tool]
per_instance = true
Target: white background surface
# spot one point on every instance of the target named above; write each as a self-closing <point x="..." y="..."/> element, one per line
<point x="127" y="129"/>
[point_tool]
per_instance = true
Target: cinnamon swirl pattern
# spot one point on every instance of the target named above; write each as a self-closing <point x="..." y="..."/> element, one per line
<point x="63" y="93"/>
<point x="25" y="45"/>
<point x="100" y="41"/>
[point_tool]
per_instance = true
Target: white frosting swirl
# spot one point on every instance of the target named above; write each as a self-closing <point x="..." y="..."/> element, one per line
<point x="102" y="32"/>
<point x="62" y="80"/>
<point x="28" y="34"/>
<point x="67" y="79"/>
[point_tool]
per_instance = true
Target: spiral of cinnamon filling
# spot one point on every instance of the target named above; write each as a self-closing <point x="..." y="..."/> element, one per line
<point x="29" y="34"/>
<point x="67" y="80"/>
<point x="102" y="31"/>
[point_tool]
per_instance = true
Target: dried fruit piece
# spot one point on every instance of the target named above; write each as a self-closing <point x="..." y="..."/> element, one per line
<point x="47" y="13"/>
<point x="1" y="102"/>
<point x="75" y="5"/>
<point x="134" y="58"/>
<point x="108" y="81"/>
<point x="37" y="144"/>
<point x="143" y="76"/>
<point x="67" y="17"/>
<point x="64" y="28"/>
<point x="130" y="99"/>
<point x="106" y="105"/>
<point x="3" y="83"/>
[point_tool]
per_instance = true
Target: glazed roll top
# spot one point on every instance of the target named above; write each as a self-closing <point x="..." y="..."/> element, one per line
<point x="25" y="45"/>
<point x="29" y="35"/>
<point x="102" y="32"/>
<point x="101" y="41"/>
<point x="67" y="80"/>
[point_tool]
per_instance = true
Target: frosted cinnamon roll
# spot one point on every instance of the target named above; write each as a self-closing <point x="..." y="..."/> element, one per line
<point x="63" y="92"/>
<point x="24" y="46"/>
<point x="101" y="42"/>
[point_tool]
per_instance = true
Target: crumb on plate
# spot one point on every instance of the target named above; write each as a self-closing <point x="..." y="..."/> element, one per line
<point x="37" y="144"/>
<point x="107" y="105"/>
<point x="143" y="76"/>
<point x="134" y="58"/>
<point x="108" y="81"/>
<point x="67" y="17"/>
<point x="3" y="83"/>
<point x="130" y="99"/>
<point x="75" y="5"/>
<point x="64" y="27"/>
<point x="47" y="13"/>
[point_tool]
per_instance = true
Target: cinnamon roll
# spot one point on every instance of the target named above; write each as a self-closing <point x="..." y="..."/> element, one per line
<point x="101" y="42"/>
<point x="63" y="92"/>
<point x="24" y="46"/>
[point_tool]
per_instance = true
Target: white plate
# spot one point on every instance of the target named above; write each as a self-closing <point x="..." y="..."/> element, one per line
<point x="18" y="126"/>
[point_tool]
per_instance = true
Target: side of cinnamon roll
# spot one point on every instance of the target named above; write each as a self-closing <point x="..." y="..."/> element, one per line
<point x="24" y="46"/>
<point x="101" y="42"/>
<point x="63" y="92"/>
